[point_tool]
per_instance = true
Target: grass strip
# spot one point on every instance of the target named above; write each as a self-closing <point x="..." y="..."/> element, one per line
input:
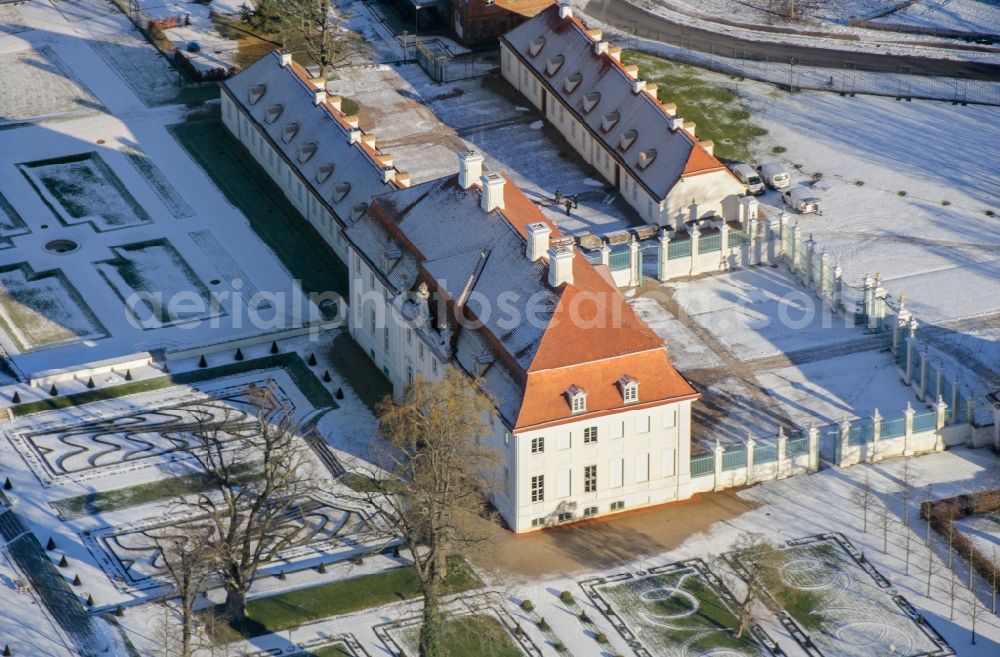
<point x="313" y="390"/>
<point x="367" y="380"/>
<point x="302" y="250"/>
<point x="287" y="610"/>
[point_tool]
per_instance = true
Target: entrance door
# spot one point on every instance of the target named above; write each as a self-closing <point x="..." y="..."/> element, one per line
<point x="545" y="102"/>
<point x="618" y="176"/>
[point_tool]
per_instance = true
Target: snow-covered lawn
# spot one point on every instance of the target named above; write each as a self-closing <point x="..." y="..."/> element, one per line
<point x="965" y="15"/>
<point x="11" y="20"/>
<point x="157" y="285"/>
<point x="851" y="612"/>
<point x="42" y="309"/>
<point x="10" y="223"/>
<point x="37" y="84"/>
<point x="827" y="391"/>
<point x="83" y="188"/>
<point x="673" y="611"/>
<point x="685" y="349"/>
<point x="24" y="623"/>
<point x="761" y="312"/>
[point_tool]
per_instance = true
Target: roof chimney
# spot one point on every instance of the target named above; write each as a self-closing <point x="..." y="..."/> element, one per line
<point x="690" y="126"/>
<point x="565" y="11"/>
<point x="561" y="261"/>
<point x="470" y="168"/>
<point x="600" y="47"/>
<point x="336" y="102"/>
<point x="638" y="86"/>
<point x="403" y="179"/>
<point x="676" y="123"/>
<point x="286" y="59"/>
<point x="708" y="145"/>
<point x="538" y="240"/>
<point x="319" y="97"/>
<point x="492" y="191"/>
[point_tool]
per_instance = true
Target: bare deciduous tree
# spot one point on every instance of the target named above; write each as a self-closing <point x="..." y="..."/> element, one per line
<point x="975" y="611"/>
<point x="952" y="593"/>
<point x="188" y="555"/>
<point x="864" y="497"/>
<point x="885" y="522"/>
<point x="435" y="482"/>
<point x="758" y="564"/>
<point x="250" y="519"/>
<point x="993" y="581"/>
<point x="310" y="25"/>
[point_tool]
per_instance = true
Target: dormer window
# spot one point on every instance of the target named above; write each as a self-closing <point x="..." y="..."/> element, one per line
<point x="572" y="82"/>
<point x="289" y="132"/>
<point x="577" y="397"/>
<point x="273" y="112"/>
<point x="306" y="151"/>
<point x="590" y="101"/>
<point x="256" y="93"/>
<point x="323" y="172"/>
<point x="646" y="158"/>
<point x="536" y="46"/>
<point x="629" y="388"/>
<point x="554" y="64"/>
<point x="610" y="121"/>
<point x="340" y="191"/>
<point x="483" y="362"/>
<point x="628" y="138"/>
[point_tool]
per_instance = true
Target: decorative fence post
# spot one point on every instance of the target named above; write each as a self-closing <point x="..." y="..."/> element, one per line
<point x="877" y="307"/>
<point x="838" y="287"/>
<point x="795" y="246"/>
<point x="806" y="274"/>
<point x="662" y="255"/>
<point x="953" y="402"/>
<point x="635" y="263"/>
<point x="605" y="254"/>
<point x="845" y="441"/>
<point x="695" y="250"/>
<point x="971" y="413"/>
<point x="782" y="468"/>
<point x="825" y="295"/>
<point x="911" y="351"/>
<point x="775" y="240"/>
<point x="718" y="464"/>
<point x="753" y="243"/>
<point x="942" y="414"/>
<point x="751" y="444"/>
<point x="876" y="436"/>
<point x="724" y="248"/>
<point x="922" y="383"/>
<point x="908" y="430"/>
<point x="813" y="448"/>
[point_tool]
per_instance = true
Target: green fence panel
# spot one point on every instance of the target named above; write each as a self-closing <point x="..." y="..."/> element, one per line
<point x="765" y="454"/>
<point x="679" y="250"/>
<point x="796" y="446"/>
<point x="925" y="422"/>
<point x="710" y="243"/>
<point x="735" y="459"/>
<point x="620" y="260"/>
<point x="737" y="238"/>
<point x="702" y="465"/>
<point x="893" y="428"/>
<point x="862" y="432"/>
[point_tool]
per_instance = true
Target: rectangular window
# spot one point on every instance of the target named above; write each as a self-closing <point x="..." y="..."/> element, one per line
<point x="385" y="338"/>
<point x="563" y="483"/>
<point x="565" y="515"/>
<point x="420" y="351"/>
<point x="538" y="522"/>
<point x="589" y="435"/>
<point x="617" y="429"/>
<point x="538" y="445"/>
<point x="538" y="488"/>
<point x="618" y="506"/>
<point x="616" y="468"/>
<point x="564" y="440"/>
<point x="434" y="366"/>
<point x="409" y="375"/>
<point x="590" y="511"/>
<point x="642" y="467"/>
<point x="642" y="424"/>
<point x="590" y="479"/>
<point x="409" y="336"/>
<point x="572" y="128"/>
<point x="669" y="418"/>
<point x="668" y="463"/>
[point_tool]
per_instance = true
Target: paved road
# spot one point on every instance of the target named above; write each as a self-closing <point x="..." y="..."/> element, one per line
<point x="625" y="15"/>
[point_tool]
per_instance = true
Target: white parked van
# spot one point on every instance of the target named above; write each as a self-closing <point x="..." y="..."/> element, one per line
<point x="747" y="175"/>
<point x="801" y="200"/>
<point x="774" y="176"/>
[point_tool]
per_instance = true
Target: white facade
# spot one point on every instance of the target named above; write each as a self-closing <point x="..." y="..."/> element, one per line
<point x="639" y="457"/>
<point x="694" y="196"/>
